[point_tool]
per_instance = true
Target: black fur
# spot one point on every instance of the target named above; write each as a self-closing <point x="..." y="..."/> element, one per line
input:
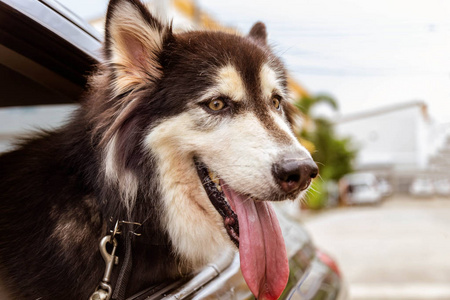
<point x="52" y="179"/>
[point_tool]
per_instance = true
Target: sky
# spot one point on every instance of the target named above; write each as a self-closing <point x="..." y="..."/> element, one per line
<point x="367" y="54"/>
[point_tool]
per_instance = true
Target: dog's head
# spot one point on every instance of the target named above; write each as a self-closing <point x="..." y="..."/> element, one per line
<point x="210" y="112"/>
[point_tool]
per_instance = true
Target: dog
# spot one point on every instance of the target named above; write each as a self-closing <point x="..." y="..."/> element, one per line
<point x="188" y="134"/>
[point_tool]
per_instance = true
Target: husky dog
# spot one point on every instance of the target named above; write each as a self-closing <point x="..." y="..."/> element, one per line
<point x="189" y="134"/>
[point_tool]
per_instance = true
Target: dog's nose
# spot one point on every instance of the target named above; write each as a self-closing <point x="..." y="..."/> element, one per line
<point x="293" y="172"/>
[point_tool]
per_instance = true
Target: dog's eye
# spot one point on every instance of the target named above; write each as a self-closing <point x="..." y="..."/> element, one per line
<point x="216" y="104"/>
<point x="276" y="99"/>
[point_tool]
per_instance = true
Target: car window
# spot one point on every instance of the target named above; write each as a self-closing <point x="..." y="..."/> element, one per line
<point x="43" y="73"/>
<point x="25" y="86"/>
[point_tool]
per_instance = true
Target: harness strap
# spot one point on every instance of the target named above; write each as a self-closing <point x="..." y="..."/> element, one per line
<point x="125" y="270"/>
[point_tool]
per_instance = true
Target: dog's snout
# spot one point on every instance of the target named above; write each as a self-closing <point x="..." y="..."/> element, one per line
<point x="294" y="172"/>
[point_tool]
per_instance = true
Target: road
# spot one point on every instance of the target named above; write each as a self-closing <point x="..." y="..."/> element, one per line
<point x="397" y="250"/>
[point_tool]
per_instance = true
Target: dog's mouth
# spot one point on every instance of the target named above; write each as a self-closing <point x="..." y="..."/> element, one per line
<point x="253" y="227"/>
<point x="211" y="184"/>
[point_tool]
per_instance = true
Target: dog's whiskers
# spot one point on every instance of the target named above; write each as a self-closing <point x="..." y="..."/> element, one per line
<point x="321" y="178"/>
<point x="319" y="163"/>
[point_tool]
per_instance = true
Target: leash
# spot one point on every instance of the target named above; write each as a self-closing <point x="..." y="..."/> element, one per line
<point x="125" y="271"/>
<point x="104" y="290"/>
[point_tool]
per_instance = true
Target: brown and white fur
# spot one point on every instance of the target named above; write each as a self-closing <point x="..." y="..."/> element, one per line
<point x="129" y="153"/>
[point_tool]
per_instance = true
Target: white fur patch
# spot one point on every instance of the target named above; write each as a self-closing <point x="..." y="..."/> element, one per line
<point x="110" y="157"/>
<point x="229" y="82"/>
<point x="193" y="224"/>
<point x="126" y="181"/>
<point x="270" y="81"/>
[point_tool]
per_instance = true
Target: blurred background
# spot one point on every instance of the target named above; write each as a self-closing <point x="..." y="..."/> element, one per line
<point x="372" y="81"/>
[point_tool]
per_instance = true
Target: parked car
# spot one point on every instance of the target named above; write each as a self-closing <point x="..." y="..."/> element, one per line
<point x="385" y="187"/>
<point x="442" y="187"/>
<point x="361" y="188"/>
<point x="422" y="187"/>
<point x="45" y="53"/>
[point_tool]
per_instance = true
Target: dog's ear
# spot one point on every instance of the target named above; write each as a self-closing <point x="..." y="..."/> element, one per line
<point x="258" y="33"/>
<point x="134" y="40"/>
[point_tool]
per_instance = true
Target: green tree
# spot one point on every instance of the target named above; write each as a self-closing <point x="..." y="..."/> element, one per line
<point x="306" y="103"/>
<point x="334" y="155"/>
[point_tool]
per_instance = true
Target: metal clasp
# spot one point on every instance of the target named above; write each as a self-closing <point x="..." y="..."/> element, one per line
<point x="104" y="290"/>
<point x="118" y="227"/>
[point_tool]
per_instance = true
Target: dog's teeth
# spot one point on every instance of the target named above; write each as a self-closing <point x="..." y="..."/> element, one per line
<point x="215" y="179"/>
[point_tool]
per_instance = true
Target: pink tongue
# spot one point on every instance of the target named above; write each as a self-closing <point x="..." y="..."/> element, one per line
<point x="264" y="262"/>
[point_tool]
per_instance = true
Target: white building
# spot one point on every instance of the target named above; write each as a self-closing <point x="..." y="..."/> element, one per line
<point x="396" y="142"/>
